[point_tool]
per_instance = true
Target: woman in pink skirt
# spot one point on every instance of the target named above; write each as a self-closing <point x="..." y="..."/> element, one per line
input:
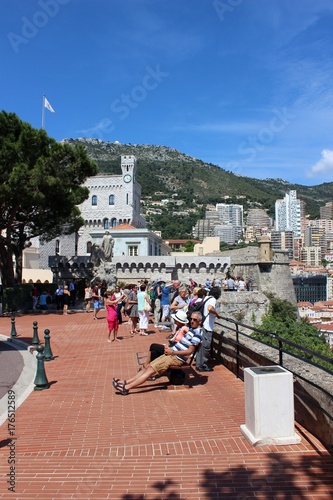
<point x="111" y="304"/>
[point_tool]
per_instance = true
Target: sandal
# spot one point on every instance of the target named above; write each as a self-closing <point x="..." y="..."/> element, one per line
<point x="116" y="381"/>
<point x="121" y="388"/>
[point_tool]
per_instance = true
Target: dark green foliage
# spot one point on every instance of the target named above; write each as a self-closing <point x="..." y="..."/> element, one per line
<point x="282" y="320"/>
<point x="173" y="225"/>
<point x="40" y="188"/>
<point x="18" y="297"/>
<point x="189" y="245"/>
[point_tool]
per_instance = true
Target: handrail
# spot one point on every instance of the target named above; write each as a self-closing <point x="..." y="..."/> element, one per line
<point x="308" y="386"/>
<point x="281" y="343"/>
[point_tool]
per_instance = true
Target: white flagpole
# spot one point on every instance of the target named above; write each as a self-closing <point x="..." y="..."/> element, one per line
<point x="43" y="111"/>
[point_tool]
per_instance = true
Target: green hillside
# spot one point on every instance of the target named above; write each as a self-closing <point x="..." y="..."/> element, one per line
<point x="164" y="171"/>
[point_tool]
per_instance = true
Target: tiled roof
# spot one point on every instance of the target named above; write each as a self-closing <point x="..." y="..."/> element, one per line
<point x="123" y="226"/>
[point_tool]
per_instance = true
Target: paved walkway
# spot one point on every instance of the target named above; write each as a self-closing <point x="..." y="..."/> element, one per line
<point x="81" y="440"/>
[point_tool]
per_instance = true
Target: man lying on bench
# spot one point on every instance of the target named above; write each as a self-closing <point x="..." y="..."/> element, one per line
<point x="173" y="356"/>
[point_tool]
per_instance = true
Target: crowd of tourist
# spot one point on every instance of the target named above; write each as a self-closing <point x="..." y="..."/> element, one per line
<point x="187" y="311"/>
<point x="63" y="297"/>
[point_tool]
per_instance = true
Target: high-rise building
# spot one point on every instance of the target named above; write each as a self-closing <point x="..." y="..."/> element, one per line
<point x="326" y="212"/>
<point x="226" y="233"/>
<point x="288" y="214"/>
<point x="229" y="220"/>
<point x="311" y="256"/>
<point x="231" y="215"/>
<point x="310" y="288"/>
<point x="258" y="218"/>
<point x="315" y="237"/>
<point x="205" y="227"/>
<point x="283" y="240"/>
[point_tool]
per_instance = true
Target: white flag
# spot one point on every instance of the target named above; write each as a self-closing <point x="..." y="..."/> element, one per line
<point x="48" y="106"/>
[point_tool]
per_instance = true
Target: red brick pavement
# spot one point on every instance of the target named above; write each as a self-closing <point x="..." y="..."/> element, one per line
<point x="81" y="440"/>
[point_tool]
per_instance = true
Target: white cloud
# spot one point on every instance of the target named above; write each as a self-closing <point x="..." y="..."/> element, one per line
<point x="324" y="165"/>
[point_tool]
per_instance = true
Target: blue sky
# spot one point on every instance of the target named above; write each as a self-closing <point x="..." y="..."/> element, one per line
<point x="243" y="84"/>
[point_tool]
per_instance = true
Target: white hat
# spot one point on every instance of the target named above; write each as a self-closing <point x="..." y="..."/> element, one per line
<point x="181" y="317"/>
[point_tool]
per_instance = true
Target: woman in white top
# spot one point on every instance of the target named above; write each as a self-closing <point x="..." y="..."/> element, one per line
<point x="119" y="293"/>
<point x="143" y="315"/>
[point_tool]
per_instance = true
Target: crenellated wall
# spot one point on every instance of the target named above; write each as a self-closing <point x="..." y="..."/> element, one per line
<point x="132" y="269"/>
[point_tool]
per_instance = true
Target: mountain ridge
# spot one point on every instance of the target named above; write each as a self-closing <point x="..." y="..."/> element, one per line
<point x="162" y="169"/>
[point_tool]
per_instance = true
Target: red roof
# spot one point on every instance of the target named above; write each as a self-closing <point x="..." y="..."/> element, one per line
<point x="123" y="226"/>
<point x="324" y="326"/>
<point x="176" y="242"/>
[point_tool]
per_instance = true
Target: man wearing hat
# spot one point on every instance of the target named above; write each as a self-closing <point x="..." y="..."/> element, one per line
<point x="171" y="356"/>
<point x="180" y="320"/>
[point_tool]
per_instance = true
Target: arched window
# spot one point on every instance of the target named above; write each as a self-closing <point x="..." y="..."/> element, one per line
<point x="106" y="223"/>
<point x="94" y="200"/>
<point x="57" y="247"/>
<point x="89" y="245"/>
<point x="114" y="223"/>
<point x="111" y="199"/>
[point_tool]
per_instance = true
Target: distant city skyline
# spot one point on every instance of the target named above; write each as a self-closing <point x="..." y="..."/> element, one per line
<point x="243" y="84"/>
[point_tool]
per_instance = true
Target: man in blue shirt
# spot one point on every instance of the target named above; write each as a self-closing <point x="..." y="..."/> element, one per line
<point x="43" y="300"/>
<point x="165" y="302"/>
<point x="176" y="355"/>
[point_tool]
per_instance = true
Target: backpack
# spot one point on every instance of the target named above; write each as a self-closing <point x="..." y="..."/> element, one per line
<point x="153" y="292"/>
<point x="198" y="307"/>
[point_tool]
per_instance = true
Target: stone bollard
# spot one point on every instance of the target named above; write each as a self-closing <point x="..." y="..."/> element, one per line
<point x="48" y="356"/>
<point x="13" y="333"/>
<point x="41" y="381"/>
<point x="35" y="339"/>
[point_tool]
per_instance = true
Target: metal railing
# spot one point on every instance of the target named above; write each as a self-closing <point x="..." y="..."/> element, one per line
<point x="238" y="349"/>
<point x="282" y="346"/>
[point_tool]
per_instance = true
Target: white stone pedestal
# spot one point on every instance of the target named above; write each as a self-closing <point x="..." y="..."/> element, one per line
<point x="269" y="406"/>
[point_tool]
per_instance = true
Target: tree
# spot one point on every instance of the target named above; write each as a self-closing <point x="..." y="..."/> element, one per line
<point x="189" y="246"/>
<point x="40" y="188"/>
<point x="282" y="320"/>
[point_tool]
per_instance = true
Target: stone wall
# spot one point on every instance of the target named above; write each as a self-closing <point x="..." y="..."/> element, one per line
<point x="269" y="277"/>
<point x="171" y="268"/>
<point x="132" y="269"/>
<point x="246" y="307"/>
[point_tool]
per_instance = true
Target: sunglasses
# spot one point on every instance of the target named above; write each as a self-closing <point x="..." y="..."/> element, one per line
<point x="194" y="319"/>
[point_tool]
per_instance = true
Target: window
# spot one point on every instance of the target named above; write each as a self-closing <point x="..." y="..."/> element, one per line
<point x="111" y="199"/>
<point x="89" y="245"/>
<point x="106" y="224"/>
<point x="94" y="200"/>
<point x="57" y="247"/>
<point x="114" y="223"/>
<point x="133" y="250"/>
